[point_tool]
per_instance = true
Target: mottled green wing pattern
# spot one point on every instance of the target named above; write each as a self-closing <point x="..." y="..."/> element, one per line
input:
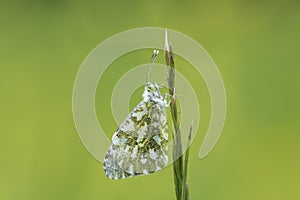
<point x="139" y="146"/>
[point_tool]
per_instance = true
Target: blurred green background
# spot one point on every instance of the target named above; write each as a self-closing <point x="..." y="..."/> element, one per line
<point x="255" y="44"/>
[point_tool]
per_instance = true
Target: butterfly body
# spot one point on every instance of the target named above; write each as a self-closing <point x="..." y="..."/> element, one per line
<point x="139" y="146"/>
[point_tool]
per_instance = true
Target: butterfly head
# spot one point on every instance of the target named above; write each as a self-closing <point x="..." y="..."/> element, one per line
<point x="152" y="93"/>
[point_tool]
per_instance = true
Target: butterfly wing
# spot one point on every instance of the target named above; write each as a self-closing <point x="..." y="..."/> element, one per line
<point x="139" y="146"/>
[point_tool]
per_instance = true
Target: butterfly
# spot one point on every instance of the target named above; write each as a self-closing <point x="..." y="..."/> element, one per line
<point x="139" y="145"/>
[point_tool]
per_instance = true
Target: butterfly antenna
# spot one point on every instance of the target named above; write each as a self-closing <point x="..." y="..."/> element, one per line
<point x="153" y="58"/>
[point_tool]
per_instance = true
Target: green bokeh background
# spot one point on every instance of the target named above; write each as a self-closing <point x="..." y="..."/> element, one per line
<point x="255" y="44"/>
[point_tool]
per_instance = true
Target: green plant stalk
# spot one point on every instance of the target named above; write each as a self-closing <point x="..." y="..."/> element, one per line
<point x="185" y="186"/>
<point x="177" y="146"/>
